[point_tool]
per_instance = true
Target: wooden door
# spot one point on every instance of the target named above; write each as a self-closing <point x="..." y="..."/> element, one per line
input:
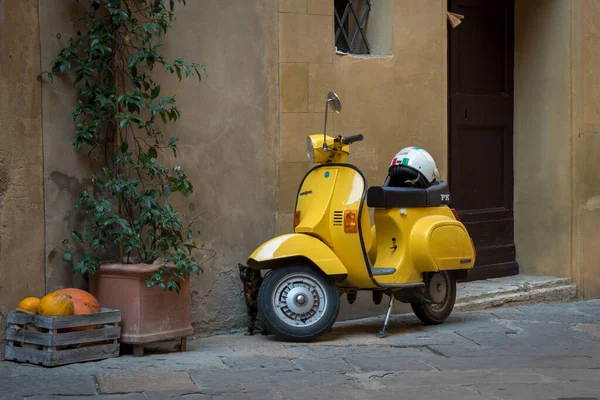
<point x="481" y="53"/>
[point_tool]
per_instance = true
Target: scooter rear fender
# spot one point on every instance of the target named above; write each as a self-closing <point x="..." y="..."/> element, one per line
<point x="297" y="247"/>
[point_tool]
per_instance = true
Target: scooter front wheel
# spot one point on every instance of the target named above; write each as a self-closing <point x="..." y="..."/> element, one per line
<point x="298" y="302"/>
<point x="440" y="290"/>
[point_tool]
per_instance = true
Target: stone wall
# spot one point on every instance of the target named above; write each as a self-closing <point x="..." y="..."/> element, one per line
<point x="395" y="100"/>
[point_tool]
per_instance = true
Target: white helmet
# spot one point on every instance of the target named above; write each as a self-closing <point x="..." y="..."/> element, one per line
<point x="415" y="165"/>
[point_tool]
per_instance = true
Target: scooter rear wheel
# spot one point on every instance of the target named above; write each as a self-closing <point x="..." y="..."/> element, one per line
<point x="298" y="303"/>
<point x="440" y="290"/>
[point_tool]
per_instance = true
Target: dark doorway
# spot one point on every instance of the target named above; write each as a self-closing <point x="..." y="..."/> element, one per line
<point x="481" y="53"/>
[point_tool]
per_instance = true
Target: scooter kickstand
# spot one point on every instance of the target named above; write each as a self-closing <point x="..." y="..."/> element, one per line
<point x="383" y="332"/>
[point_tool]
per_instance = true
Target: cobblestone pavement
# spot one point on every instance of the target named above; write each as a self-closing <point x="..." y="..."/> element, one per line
<point x="538" y="352"/>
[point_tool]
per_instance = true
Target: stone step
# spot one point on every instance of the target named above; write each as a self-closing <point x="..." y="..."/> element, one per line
<point x="513" y="290"/>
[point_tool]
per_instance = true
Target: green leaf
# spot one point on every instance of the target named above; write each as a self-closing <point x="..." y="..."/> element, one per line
<point x="108" y="173"/>
<point x="173" y="140"/>
<point x="124" y="147"/>
<point x="124" y="123"/>
<point x="132" y="60"/>
<point x="77" y="236"/>
<point x="166" y="190"/>
<point x="152" y="152"/>
<point x="155" y="92"/>
<point x="67" y="257"/>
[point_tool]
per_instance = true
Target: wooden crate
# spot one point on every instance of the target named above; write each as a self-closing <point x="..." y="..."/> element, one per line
<point x="41" y="340"/>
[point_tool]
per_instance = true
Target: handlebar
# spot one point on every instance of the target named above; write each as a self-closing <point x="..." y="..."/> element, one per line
<point x="352" y="139"/>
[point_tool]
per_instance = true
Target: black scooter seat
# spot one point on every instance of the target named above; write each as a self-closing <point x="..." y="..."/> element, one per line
<point x="397" y="197"/>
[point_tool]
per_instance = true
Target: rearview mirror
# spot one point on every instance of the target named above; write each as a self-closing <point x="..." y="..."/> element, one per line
<point x="334" y="102"/>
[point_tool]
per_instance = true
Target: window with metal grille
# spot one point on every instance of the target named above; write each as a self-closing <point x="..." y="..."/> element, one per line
<point x="350" y="23"/>
<point x="363" y="26"/>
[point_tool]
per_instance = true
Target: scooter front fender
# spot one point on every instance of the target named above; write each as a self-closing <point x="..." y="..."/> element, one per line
<point x="296" y="247"/>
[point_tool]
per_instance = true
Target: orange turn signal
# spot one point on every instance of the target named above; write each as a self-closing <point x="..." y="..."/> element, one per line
<point x="296" y="219"/>
<point x="350" y="221"/>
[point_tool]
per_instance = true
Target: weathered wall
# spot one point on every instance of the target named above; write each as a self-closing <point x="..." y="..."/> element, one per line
<point x="66" y="172"/>
<point x="228" y="142"/>
<point x="21" y="193"/>
<point x="542" y="136"/>
<point x="244" y="126"/>
<point x="587" y="148"/>
<point x="396" y="100"/>
<point x="227" y="145"/>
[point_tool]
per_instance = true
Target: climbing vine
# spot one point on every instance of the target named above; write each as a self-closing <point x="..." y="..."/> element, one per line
<point x="122" y="113"/>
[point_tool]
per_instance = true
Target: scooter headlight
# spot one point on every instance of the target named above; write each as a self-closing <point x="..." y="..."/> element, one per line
<point x="310" y="150"/>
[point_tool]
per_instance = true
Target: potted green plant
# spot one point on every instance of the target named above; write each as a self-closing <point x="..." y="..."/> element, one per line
<point x="137" y="248"/>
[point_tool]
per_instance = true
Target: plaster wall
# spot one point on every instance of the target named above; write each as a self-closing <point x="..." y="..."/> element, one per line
<point x="270" y="65"/>
<point x="586" y="143"/>
<point x="557" y="195"/>
<point x="227" y="142"/>
<point x="21" y="192"/>
<point x="66" y="171"/>
<point x="542" y="136"/>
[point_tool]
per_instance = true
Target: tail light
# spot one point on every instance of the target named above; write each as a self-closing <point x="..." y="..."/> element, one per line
<point x="297" y="215"/>
<point x="455" y="214"/>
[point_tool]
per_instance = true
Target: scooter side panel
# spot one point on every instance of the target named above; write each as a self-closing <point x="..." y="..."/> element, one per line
<point x="294" y="246"/>
<point x="441" y="243"/>
<point x="427" y="239"/>
<point x="393" y="234"/>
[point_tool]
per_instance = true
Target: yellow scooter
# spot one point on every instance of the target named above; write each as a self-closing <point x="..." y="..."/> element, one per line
<point x="415" y="251"/>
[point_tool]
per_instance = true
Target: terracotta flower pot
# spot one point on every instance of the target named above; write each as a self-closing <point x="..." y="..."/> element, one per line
<point x="147" y="314"/>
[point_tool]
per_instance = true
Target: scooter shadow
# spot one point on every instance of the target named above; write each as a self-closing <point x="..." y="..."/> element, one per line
<point x="366" y="330"/>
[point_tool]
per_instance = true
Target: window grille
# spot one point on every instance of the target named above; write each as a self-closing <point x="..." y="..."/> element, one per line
<point x="348" y="30"/>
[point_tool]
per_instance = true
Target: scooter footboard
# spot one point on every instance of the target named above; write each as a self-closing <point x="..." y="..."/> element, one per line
<point x="439" y="243"/>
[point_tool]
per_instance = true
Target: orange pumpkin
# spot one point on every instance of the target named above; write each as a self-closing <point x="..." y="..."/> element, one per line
<point x="55" y="305"/>
<point x="83" y="303"/>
